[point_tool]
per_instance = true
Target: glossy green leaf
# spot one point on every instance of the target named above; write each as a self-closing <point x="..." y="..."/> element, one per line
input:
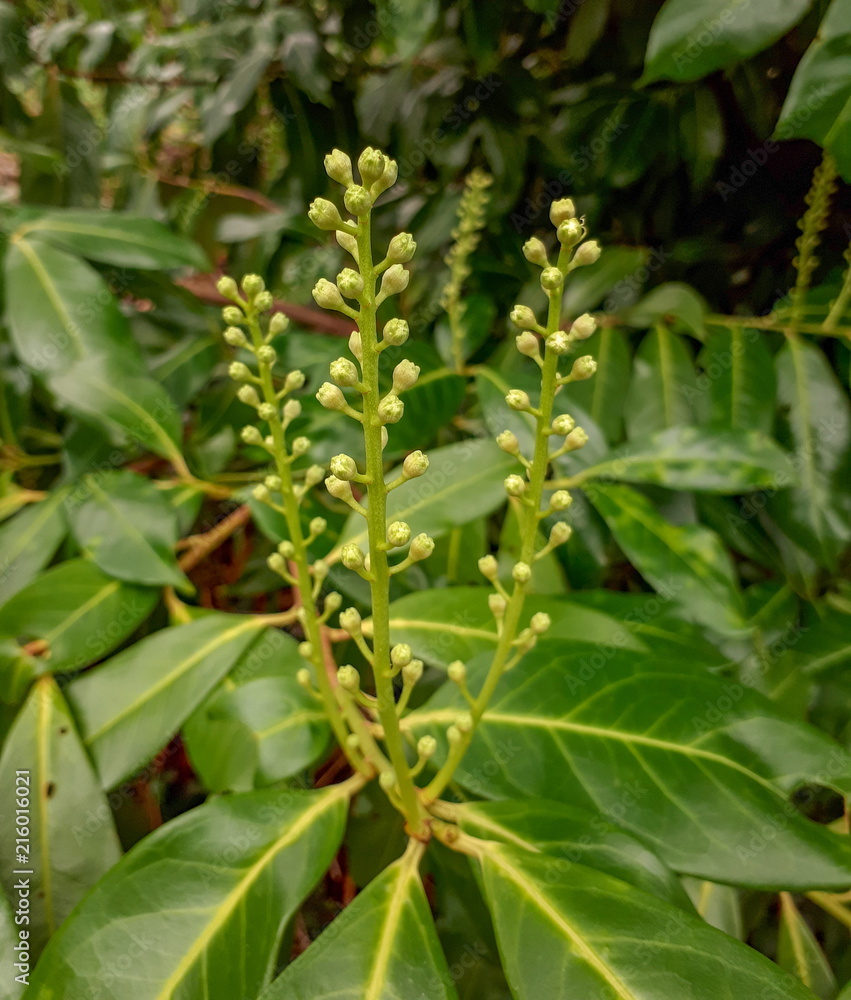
<point x="464" y="481"/>
<point x="429" y="406"/>
<point x="383" y="946"/>
<point x="198" y="908"/>
<point x="738" y="377"/>
<point x="583" y="933"/>
<point x="29" y="540"/>
<point x="818" y="104"/>
<point x="116" y="239"/>
<point x="128" y="528"/>
<point x="610" y="282"/>
<point x="719" y="905"/>
<point x="102" y="390"/>
<point x="574" y="836"/>
<point x="131" y="705"/>
<point x="662" y="389"/>
<point x="72" y="841"/>
<point x="799" y="952"/>
<point x="260" y="725"/>
<point x="695" y="765"/>
<point x="77" y="611"/>
<point x="604" y="395"/>
<point x="10" y="987"/>
<point x="692" y="38"/>
<point x="675" y="305"/>
<point x="59" y="310"/>
<point x="824" y="646"/>
<point x="686" y="562"/>
<point x="696" y="458"/>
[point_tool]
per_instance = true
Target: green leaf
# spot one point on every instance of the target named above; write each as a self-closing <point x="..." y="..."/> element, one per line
<point x="818" y="104"/>
<point x="604" y="395"/>
<point x="77" y="611"/>
<point x="677" y="306"/>
<point x="131" y="705"/>
<point x="575" y="836"/>
<point x="696" y="766"/>
<point x="198" y="908"/>
<point x="799" y="952"/>
<point x="687" y="562"/>
<point x="10" y="988"/>
<point x="102" y="391"/>
<point x="72" y="840"/>
<point x="29" y="541"/>
<point x="476" y="322"/>
<point x="824" y="647"/>
<point x="662" y="387"/>
<point x="115" y="238"/>
<point x="260" y="725"/>
<point x="719" y="905"/>
<point x="697" y="458"/>
<point x="464" y="481"/>
<point x="692" y="38"/>
<point x="382" y="945"/>
<point x="128" y="528"/>
<point x="611" y="281"/>
<point x="429" y="406"/>
<point x="59" y="310"/>
<point x="738" y="376"/>
<point x="583" y="933"/>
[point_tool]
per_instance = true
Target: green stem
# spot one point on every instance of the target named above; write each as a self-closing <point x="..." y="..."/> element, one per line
<point x="377" y="528"/>
<point x="838" y="307"/>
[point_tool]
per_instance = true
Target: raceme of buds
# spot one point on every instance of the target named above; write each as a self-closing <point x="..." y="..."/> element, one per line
<point x="344" y="467"/>
<point x="405" y="376"/>
<point x="401" y="248"/>
<point x="338" y="166"/>
<point x="582" y="327"/>
<point x="421" y="548"/>
<point x="390" y="409"/>
<point x="395" y="332"/>
<point x="398" y="533"/>
<point x="331" y="397"/>
<point x="394" y="280"/>
<point x="561" y="211"/>
<point x="517" y="399"/>
<point x="583" y="368"/>
<point x="523" y="317"/>
<point x="528" y="344"/>
<point x="327" y="295"/>
<point x="415" y="464"/>
<point x="325" y="215"/>
<point x="535" y="252"/>
<point x="586" y="253"/>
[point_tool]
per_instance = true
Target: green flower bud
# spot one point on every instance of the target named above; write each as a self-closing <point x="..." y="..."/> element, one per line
<point x="535" y="252"/>
<point x="343" y="372"/>
<point x="325" y="215"/>
<point x="266" y="411"/>
<point x="273" y="483"/>
<point x="278" y="324"/>
<point x="277" y="563"/>
<point x="235" y="337"/>
<point x="587" y="253"/>
<point x="301" y="446"/>
<point x="239" y="372"/>
<point x="558" y="343"/>
<point x="314" y="475"/>
<point x="561" y="211"/>
<point x="387" y="780"/>
<point x="332" y="600"/>
<point x="497" y="605"/>
<point x="401" y="249"/>
<point x="563" y="424"/>
<point x="394" y="280"/>
<point x="227" y="286"/>
<point x="251" y="435"/>
<point x="261" y="493"/>
<point x="348" y="243"/>
<point x="292" y="410"/>
<point x="371" y="165"/>
<point x="398" y="533"/>
<point x="348" y="678"/>
<point x="344" y="467"/>
<point x="351" y="621"/>
<point x="454" y="735"/>
<point x="248" y="394"/>
<point x="351" y="556"/>
<point x="522" y="573"/>
<point x="350" y="283"/>
<point x="583" y="368"/>
<point x="412" y="672"/>
<point x="522" y="317"/>
<point x="518" y="400"/>
<point x="294" y="380"/>
<point x="561" y="500"/>
<point x="583" y="326"/>
<point x="577" y="438"/>
<point x="508" y="442"/>
<point x="488" y="567"/>
<point x="540" y="623"/>
<point x="560" y="533"/>
<point x="390" y="409"/>
<point x="456" y="671"/>
<point x="415" y="465"/>
<point x="405" y="375"/>
<point x="515" y="486"/>
<point x="233" y="316"/>
<point x="286" y="548"/>
<point x="327" y="295"/>
<point x="426" y="747"/>
<point x="528" y="344"/>
<point x="357" y="200"/>
<point x="464" y="722"/>
<point x="401" y="655"/>
<point x="267" y="354"/>
<point x="317" y="525"/>
<point x="338" y="166"/>
<point x="253" y="284"/>
<point x="340" y="489"/>
<point x="303" y="678"/>
<point x="421" y="547"/>
<point x="551" y="279"/>
<point x="395" y="332"/>
<point x="331" y="397"/>
<point x="570" y="232"/>
<point x="387" y="179"/>
<point x="355" y="345"/>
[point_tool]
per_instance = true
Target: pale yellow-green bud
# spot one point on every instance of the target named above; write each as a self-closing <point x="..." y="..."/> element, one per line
<point x="412" y="672"/>
<point x="233" y="316"/>
<point x="252" y="284"/>
<point x="239" y="372"/>
<point x="267" y="354"/>
<point x="454" y="735"/>
<point x="313" y="476"/>
<point x="401" y="655"/>
<point x="344" y="372"/>
<point x="560" y="533"/>
<point x="528" y="344"/>
<point x="390" y="409"/>
<point x="577" y="438"/>
<point x="535" y="252"/>
<point x="522" y="573"/>
<point x="394" y="280"/>
<point x="456" y="672"/>
<point x="301" y="446"/>
<point x="583" y="368"/>
<point x="357" y="200"/>
<point x="286" y="548"/>
<point x="227" y="286"/>
<point x="387" y="780"/>
<point x="340" y="489"/>
<point x="523" y="317"/>
<point x="273" y="483"/>
<point x="317" y="526"/>
<point x="294" y="380"/>
<point x="327" y="295"/>
<point x="248" y="394"/>
<point x="583" y="326"/>
<point x="351" y="556"/>
<point x="371" y="165"/>
<point x="421" y="547"/>
<point x="515" y="486"/>
<point x="348" y="678"/>
<point x="235" y="337"/>
<point x="331" y="397"/>
<point x="303" y="678"/>
<point x="587" y="253"/>
<point x="497" y="605"/>
<point x="561" y="500"/>
<point x="292" y="410"/>
<point x="508" y="442"/>
<point x="333" y="600"/>
<point x="263" y="301"/>
<point x="266" y="411"/>
<point x="395" y="332"/>
<point x="518" y="400"/>
<point x="415" y="464"/>
<point x="355" y="344"/>
<point x="405" y="376"/>
<point x="279" y="323"/>
<point x="398" y="533"/>
<point x="348" y="242"/>
<point x="426" y="747"/>
<point x="464" y="722"/>
<point x="570" y="232"/>
<point x="401" y="248"/>
<point x="325" y="215"/>
<point x="261" y="493"/>
<point x="563" y="424"/>
<point x="551" y="279"/>
<point x="305" y="650"/>
<point x="338" y="166"/>
<point x="277" y="563"/>
<point x="488" y="567"/>
<point x="558" y="342"/>
<point x="251" y="435"/>
<point x="561" y="211"/>
<point x="387" y="179"/>
<point x="350" y="283"/>
<point x="540" y="623"/>
<point x="351" y="621"/>
<point x="344" y="467"/>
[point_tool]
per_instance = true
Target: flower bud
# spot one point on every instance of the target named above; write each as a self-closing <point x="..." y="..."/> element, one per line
<point x="577" y="438"/>
<point x="587" y="253"/>
<point x="273" y="483"/>
<point x="412" y="672"/>
<point x="561" y="500"/>
<point x="317" y="525"/>
<point x="350" y="283"/>
<point x="398" y="533"/>
<point x="239" y="372"/>
<point x="278" y="324"/>
<point x="405" y="375"/>
<point x="560" y="533"/>
<point x="294" y="380"/>
<point x="338" y="166"/>
<point x="570" y="232"/>
<point x="497" y="605"/>
<point x="267" y="354"/>
<point x="385" y="437"/>
<point x="235" y="337"/>
<point x="344" y="467"/>
<point x="395" y="332"/>
<point x="464" y="722"/>
<point x="351" y="621"/>
<point x="300" y="446"/>
<point x="456" y="672"/>
<point x="390" y="409"/>
<point x="251" y="435"/>
<point x="355" y="345"/>
<point x="415" y="464"/>
<point x="248" y="394"/>
<point x="535" y="252"/>
<point x="305" y="650"/>
<point x="508" y="442"/>
<point x="488" y="567"/>
<point x="394" y="280"/>
<point x="252" y="284"/>
<point x="348" y="243"/>
<point x="357" y="200"/>
<point x="558" y="343"/>
<point x="263" y="301"/>
<point x="387" y="179"/>
<point x="515" y="486"/>
<point x="227" y="286"/>
<point x="327" y="295"/>
<point x="387" y="780"/>
<point x="233" y="316"/>
<point x="540" y="623"/>
<point x="583" y="368"/>
<point x="454" y="735"/>
<point x="325" y="215"/>
<point x="563" y="424"/>
<point x="344" y="372"/>
<point x="292" y="410"/>
<point x="261" y="493"/>
<point x="303" y="678"/>
<point x="313" y="476"/>
<point x="561" y="211"/>
<point x="522" y="573"/>
<point x="583" y="326"/>
<point x="266" y="411"/>
<point x="551" y="279"/>
<point x="286" y="548"/>
<point x="401" y="655"/>
<point x="340" y="489"/>
<point x="371" y="165"/>
<point x="522" y="317"/>
<point x="348" y="678"/>
<point x="426" y="747"/>
<point x="401" y="249"/>
<point x="421" y="547"/>
<point x="331" y="397"/>
<point x="528" y="344"/>
<point x="517" y="399"/>
<point x="277" y="563"/>
<point x="351" y="556"/>
<point x="333" y="600"/>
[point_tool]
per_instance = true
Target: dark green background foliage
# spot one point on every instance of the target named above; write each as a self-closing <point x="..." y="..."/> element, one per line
<point x="144" y="150"/>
